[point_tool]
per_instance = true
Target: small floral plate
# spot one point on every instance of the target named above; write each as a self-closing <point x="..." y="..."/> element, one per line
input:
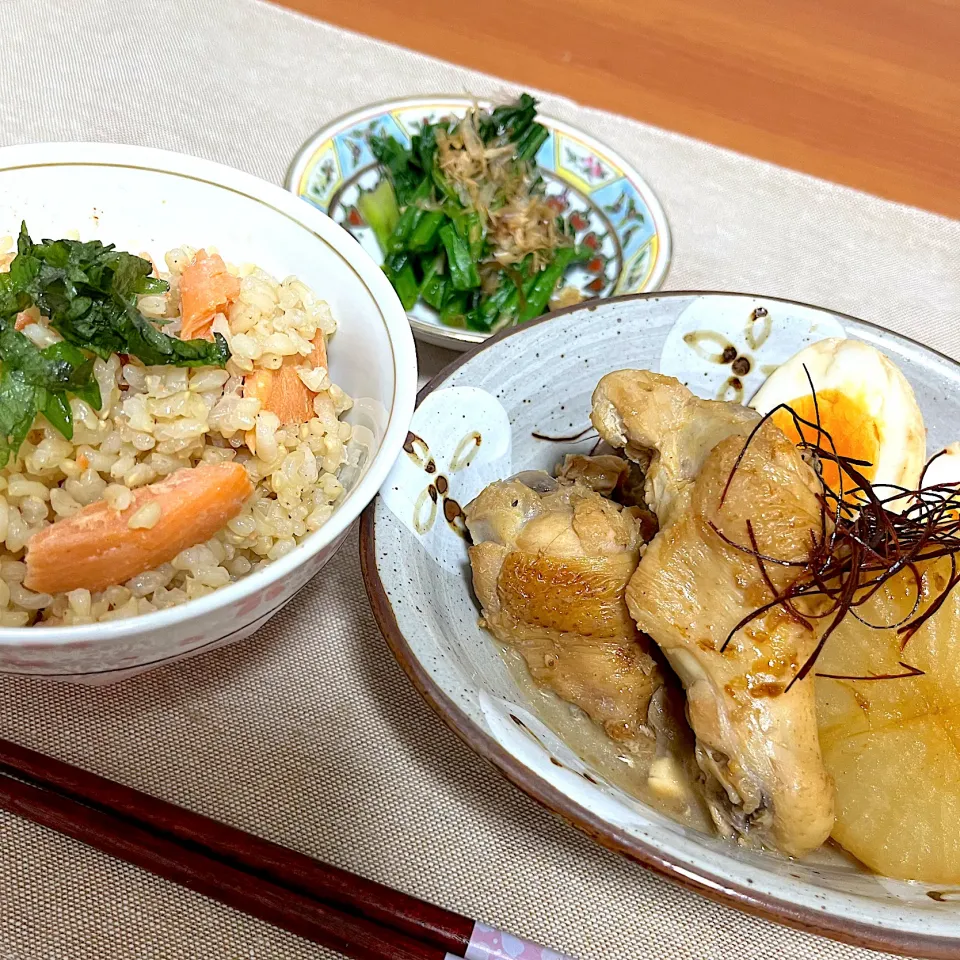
<point x="607" y="202"/>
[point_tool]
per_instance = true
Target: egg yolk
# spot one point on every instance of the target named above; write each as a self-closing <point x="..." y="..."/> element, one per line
<point x="854" y="431"/>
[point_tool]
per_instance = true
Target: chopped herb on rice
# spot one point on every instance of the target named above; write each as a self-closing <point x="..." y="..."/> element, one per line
<point x="109" y="399"/>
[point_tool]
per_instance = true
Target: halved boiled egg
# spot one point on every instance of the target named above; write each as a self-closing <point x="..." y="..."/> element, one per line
<point x="865" y="403"/>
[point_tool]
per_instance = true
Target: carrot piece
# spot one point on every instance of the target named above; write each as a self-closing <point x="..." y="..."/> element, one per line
<point x="282" y="391"/>
<point x="23" y="320"/>
<point x="206" y="289"/>
<point x="97" y="547"/>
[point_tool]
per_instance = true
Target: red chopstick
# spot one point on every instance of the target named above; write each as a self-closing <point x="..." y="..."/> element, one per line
<point x="330" y="906"/>
<point x="332" y="928"/>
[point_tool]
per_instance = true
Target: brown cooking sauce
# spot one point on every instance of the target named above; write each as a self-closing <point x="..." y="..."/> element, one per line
<point x="627" y="769"/>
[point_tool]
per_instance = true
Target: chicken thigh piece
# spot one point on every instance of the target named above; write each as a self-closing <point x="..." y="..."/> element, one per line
<point x="550" y="567"/>
<point x="757" y="742"/>
<point x="604" y="474"/>
<point x="615" y="477"/>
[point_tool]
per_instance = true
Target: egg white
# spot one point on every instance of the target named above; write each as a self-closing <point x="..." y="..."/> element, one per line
<point x="944" y="467"/>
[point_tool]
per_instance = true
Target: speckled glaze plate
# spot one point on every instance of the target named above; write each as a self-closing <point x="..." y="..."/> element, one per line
<point x="609" y="205"/>
<point x="475" y="423"/>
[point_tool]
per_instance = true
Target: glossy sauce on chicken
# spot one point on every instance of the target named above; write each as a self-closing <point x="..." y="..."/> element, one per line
<point x="666" y="781"/>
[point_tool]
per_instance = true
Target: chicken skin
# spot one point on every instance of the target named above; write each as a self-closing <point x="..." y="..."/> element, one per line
<point x="757" y="742"/>
<point x="550" y="566"/>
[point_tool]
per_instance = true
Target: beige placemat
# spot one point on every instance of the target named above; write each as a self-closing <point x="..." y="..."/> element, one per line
<point x="308" y="733"/>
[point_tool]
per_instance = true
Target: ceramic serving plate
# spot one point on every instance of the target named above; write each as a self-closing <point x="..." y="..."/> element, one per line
<point x="152" y="200"/>
<point x="609" y="205"/>
<point x="476" y="423"/>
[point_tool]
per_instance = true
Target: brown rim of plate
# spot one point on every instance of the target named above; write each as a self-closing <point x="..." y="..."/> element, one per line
<point x="808" y="920"/>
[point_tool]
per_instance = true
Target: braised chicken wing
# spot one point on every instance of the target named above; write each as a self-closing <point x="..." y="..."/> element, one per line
<point x="757" y="742"/>
<point x="549" y="567"/>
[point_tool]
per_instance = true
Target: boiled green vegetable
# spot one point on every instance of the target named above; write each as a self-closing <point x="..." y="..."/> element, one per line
<point x="463" y="221"/>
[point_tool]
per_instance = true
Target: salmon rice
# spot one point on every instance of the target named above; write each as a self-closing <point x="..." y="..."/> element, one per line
<point x="171" y="430"/>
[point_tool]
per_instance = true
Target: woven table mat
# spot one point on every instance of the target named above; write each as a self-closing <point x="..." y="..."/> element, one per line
<point x="308" y="733"/>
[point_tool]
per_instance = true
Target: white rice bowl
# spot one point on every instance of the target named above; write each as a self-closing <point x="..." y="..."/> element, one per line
<point x="145" y="199"/>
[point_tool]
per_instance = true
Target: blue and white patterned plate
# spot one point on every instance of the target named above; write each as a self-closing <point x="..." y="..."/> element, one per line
<point x="609" y="205"/>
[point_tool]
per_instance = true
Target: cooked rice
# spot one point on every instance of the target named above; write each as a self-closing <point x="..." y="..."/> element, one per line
<point x="155" y="420"/>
